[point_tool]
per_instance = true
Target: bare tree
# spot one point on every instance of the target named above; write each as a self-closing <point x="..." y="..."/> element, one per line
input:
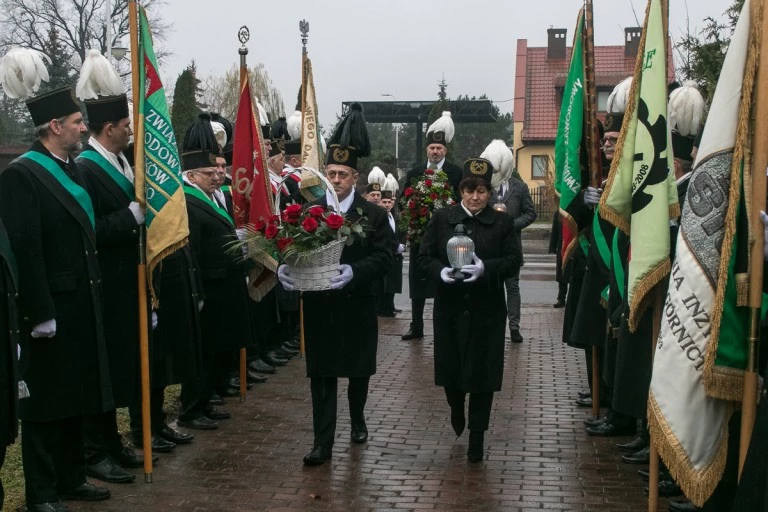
<point x="80" y="24"/>
<point x="221" y="93"/>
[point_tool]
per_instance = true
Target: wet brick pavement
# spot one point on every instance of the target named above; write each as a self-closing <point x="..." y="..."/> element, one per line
<point x="538" y="456"/>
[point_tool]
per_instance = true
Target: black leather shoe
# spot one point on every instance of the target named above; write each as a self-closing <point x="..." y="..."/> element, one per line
<point x="288" y="350"/>
<point x="593" y="422"/>
<point x="52" y="506"/>
<point x="386" y="314"/>
<point x="667" y="489"/>
<point x="559" y="304"/>
<point x="633" y="446"/>
<point x="293" y="343"/>
<point x="607" y="429"/>
<point x="359" y="434"/>
<point x="174" y="436"/>
<point x="85" y="492"/>
<point x="216" y="400"/>
<point x="475" y="448"/>
<point x="412" y="335"/>
<point x="585" y="394"/>
<point x="642" y="456"/>
<point x="682" y="506"/>
<point x="228" y="392"/>
<point x="283" y="353"/>
<point x="160" y="445"/>
<point x="458" y="421"/>
<point x="217" y="414"/>
<point x="398" y="310"/>
<point x="645" y="474"/>
<point x="107" y="471"/>
<point x="317" y="456"/>
<point x="128" y="458"/>
<point x="515" y="336"/>
<point x="234" y="383"/>
<point x="273" y="360"/>
<point x="587" y="402"/>
<point x="255" y="378"/>
<point x="260" y="366"/>
<point x="199" y="423"/>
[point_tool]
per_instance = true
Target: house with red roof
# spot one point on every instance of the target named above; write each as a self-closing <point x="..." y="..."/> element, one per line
<point x="540" y="76"/>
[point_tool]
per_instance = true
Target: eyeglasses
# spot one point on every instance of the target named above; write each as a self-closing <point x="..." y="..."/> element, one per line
<point x="342" y="175"/>
<point x="208" y="174"/>
<point x="610" y="140"/>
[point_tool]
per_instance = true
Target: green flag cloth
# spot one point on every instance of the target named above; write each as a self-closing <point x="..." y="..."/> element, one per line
<point x="640" y="197"/>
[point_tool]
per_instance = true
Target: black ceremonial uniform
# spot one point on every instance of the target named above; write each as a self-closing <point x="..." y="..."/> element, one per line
<point x="9" y="338"/>
<point x="392" y="282"/>
<point x="54" y="242"/>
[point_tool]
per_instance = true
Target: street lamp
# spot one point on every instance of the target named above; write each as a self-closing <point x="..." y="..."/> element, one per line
<point x="119" y="51"/>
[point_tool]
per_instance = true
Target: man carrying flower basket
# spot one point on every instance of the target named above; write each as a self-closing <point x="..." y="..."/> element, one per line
<point x="427" y="189"/>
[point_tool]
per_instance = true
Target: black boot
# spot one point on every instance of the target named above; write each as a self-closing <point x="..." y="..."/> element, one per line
<point x="475" y="448"/>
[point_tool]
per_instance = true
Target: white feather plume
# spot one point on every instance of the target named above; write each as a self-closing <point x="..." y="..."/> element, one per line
<point x="294" y="125"/>
<point x="263" y="117"/>
<point x="390" y="184"/>
<point x="21" y="72"/>
<point x="98" y="78"/>
<point x="443" y="124"/>
<point x="219" y="132"/>
<point x="619" y="97"/>
<point x="376" y="176"/>
<point x="686" y="109"/>
<point x="500" y="156"/>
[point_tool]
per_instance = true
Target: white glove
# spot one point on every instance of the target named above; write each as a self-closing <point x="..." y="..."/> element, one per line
<point x="137" y="212"/>
<point x="241" y="232"/>
<point x="344" y="277"/>
<point x="154" y="320"/>
<point x="475" y="270"/>
<point x="46" y="329"/>
<point x="764" y="218"/>
<point x="445" y="275"/>
<point x="200" y="305"/>
<point x="592" y="196"/>
<point x="400" y="249"/>
<point x="284" y="276"/>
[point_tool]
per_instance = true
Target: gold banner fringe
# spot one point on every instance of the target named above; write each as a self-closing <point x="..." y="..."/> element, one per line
<point x="641" y="297"/>
<point x="698" y="486"/>
<point x="725" y="383"/>
<point x="734" y="196"/>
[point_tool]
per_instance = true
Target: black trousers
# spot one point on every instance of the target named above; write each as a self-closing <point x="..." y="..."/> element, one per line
<point x="53" y="457"/>
<point x="417" y="309"/>
<point x="156" y="416"/>
<point x="100" y="436"/>
<point x="479" y="407"/>
<point x="562" y="291"/>
<point x="324" y="391"/>
<point x="387" y="303"/>
<point x="196" y="393"/>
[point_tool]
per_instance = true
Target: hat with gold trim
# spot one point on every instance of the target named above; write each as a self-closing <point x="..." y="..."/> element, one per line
<point x="478" y="168"/>
<point x="441" y="131"/>
<point x="349" y="140"/>
<point x="198" y="159"/>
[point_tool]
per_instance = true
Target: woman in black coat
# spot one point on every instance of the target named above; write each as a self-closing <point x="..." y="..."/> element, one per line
<point x="470" y="315"/>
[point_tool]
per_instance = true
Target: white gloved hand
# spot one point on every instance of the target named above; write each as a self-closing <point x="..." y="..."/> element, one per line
<point x="764" y="218"/>
<point x="400" y="249"/>
<point x="241" y="232"/>
<point x="284" y="276"/>
<point x="46" y="329"/>
<point x="445" y="275"/>
<point x="344" y="277"/>
<point x="592" y="196"/>
<point x="137" y="211"/>
<point x="200" y="305"/>
<point x="154" y="320"/>
<point x="475" y="270"/>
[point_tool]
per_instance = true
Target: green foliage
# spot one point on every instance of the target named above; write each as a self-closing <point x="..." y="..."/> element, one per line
<point x="701" y="56"/>
<point x="60" y="68"/>
<point x="185" y="106"/>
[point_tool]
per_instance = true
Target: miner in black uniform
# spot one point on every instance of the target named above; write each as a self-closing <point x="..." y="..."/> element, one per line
<point x="50" y="222"/>
<point x="439" y="135"/>
<point x="471" y="314"/>
<point x="9" y="339"/>
<point x="340" y="324"/>
<point x="393" y="281"/>
<point x="109" y="181"/>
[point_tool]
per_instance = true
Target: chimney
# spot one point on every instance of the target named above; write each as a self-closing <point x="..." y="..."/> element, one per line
<point x="556" y="44"/>
<point x="632" y="41"/>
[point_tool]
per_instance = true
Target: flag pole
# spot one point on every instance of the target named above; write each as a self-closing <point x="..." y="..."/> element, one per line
<point x="304" y="29"/>
<point x="595" y="171"/>
<point x="146" y="421"/>
<point x="759" y="156"/>
<point x="243" y="36"/>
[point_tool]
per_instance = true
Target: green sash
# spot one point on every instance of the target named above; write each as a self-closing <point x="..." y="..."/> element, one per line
<point x="118" y="177"/>
<point x="194" y="192"/>
<point x="584" y="244"/>
<point x="602" y="244"/>
<point x="226" y="188"/>
<point x="618" y="265"/>
<point x="78" y="192"/>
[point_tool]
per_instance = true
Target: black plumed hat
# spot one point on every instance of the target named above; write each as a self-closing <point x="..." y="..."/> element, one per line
<point x="350" y="139"/>
<point x="200" y="135"/>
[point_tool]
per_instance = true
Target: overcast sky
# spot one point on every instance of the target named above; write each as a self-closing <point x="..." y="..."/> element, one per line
<point x="363" y="49"/>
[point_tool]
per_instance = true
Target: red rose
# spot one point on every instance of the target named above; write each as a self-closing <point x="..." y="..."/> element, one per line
<point x="273" y="219"/>
<point x="411" y="205"/>
<point x="408" y="192"/>
<point x="260" y="225"/>
<point x="433" y="195"/>
<point x="309" y="225"/>
<point x="427" y="183"/>
<point x="334" y="221"/>
<point x="447" y="186"/>
<point x="316" y="212"/>
<point x="424" y="211"/>
<point x="271" y="231"/>
<point x="292" y="213"/>
<point x="429" y="172"/>
<point x="282" y="243"/>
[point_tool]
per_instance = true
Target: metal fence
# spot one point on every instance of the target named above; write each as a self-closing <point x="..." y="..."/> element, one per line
<point x="543" y="203"/>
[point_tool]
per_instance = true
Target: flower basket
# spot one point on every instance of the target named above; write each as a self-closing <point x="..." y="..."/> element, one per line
<point x="311" y="270"/>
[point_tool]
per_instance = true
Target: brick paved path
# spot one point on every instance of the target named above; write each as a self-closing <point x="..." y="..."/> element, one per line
<point x="537" y="454"/>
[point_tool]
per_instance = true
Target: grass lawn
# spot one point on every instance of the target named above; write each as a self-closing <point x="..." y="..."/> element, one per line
<point x="12" y="473"/>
